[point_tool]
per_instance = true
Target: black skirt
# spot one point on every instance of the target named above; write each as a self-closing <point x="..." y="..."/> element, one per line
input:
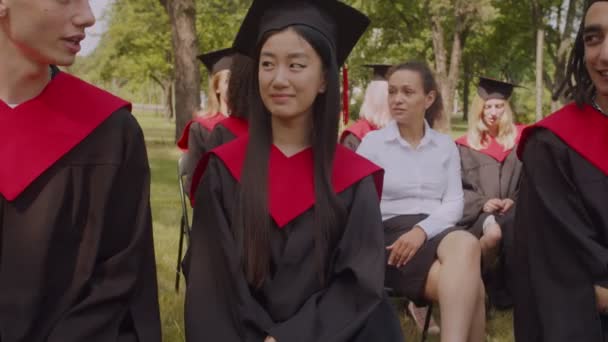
<point x="410" y="280"/>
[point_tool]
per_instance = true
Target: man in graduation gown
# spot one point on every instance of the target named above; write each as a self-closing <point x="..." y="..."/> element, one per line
<point x="561" y="236"/>
<point x="76" y="250"/>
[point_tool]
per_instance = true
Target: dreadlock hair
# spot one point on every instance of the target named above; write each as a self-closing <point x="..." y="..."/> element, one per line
<point x="577" y="84"/>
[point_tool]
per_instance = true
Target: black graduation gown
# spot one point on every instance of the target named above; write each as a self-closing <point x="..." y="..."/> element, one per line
<point x="561" y="240"/>
<point x="194" y="141"/>
<point x="197" y="138"/>
<point x="225" y="131"/>
<point x="485" y="177"/>
<point x="291" y="306"/>
<point x="76" y="250"/>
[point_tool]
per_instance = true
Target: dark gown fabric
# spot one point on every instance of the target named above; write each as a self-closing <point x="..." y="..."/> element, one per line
<point x="351" y="141"/>
<point x="198" y="137"/>
<point x="291" y="305"/>
<point x="483" y="178"/>
<point x="353" y="135"/>
<point x="224" y="132"/>
<point x="76" y="250"/>
<point x="561" y="243"/>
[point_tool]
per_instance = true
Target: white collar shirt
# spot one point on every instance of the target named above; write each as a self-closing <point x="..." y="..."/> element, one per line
<point x="418" y="180"/>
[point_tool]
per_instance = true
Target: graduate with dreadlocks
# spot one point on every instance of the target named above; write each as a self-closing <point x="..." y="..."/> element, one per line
<point x="561" y="225"/>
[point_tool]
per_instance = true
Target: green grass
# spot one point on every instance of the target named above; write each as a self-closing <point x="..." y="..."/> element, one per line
<point x="166" y="212"/>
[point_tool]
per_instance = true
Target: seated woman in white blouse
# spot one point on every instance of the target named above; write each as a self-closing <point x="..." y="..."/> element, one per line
<point x="422" y="200"/>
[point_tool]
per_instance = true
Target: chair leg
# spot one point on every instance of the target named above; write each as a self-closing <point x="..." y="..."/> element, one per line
<point x="180" y="247"/>
<point x="427" y="322"/>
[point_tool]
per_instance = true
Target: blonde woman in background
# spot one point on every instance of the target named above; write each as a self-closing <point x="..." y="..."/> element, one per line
<point x="197" y="132"/>
<point x="491" y="176"/>
<point x="374" y="112"/>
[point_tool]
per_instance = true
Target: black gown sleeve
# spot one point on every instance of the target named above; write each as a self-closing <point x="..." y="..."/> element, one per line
<point x="218" y="137"/>
<point x="356" y="283"/>
<point x="558" y="254"/>
<point x="474" y="198"/>
<point x="197" y="140"/>
<point x="122" y="290"/>
<point x="351" y="142"/>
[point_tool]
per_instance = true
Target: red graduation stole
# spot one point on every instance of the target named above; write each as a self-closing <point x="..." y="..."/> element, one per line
<point x="584" y="130"/>
<point x="291" y="179"/>
<point x="39" y="132"/>
<point x="237" y="126"/>
<point x="358" y="129"/>
<point x="494" y="149"/>
<point x="208" y="122"/>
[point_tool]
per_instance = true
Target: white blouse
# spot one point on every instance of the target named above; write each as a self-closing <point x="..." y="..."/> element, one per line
<point x="421" y="180"/>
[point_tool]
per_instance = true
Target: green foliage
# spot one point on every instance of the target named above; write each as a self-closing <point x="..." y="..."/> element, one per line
<point x="136" y="47"/>
<point x="499" y="41"/>
<point x="218" y="21"/>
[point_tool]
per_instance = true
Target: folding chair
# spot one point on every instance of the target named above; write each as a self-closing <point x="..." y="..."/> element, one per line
<point x="427" y="319"/>
<point x="184" y="226"/>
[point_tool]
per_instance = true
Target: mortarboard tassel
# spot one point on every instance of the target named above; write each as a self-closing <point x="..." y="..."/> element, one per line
<point x="345" y="111"/>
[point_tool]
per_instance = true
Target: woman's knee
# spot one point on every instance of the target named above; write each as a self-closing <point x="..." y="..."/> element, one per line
<point x="460" y="245"/>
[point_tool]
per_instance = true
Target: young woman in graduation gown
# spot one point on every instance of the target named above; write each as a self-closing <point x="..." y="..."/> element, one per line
<point x="490" y="177"/>
<point x="196" y="134"/>
<point x="561" y="224"/>
<point x="239" y="92"/>
<point x="236" y="125"/>
<point x="286" y="239"/>
<point x="374" y="113"/>
<point x="76" y="250"/>
<point x="422" y="200"/>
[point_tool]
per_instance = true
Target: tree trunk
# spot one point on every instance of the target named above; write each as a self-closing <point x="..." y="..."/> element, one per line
<point x="182" y="14"/>
<point x="466" y="91"/>
<point x="563" y="49"/>
<point x="442" y="124"/>
<point x="540" y="42"/>
<point x="453" y="77"/>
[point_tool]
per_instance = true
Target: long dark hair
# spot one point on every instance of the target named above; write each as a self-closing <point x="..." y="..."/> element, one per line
<point x="242" y="71"/>
<point x="329" y="213"/>
<point x="434" y="112"/>
<point x="577" y="84"/>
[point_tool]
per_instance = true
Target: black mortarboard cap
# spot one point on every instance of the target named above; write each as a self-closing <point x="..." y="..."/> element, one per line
<point x="216" y="61"/>
<point x="489" y="88"/>
<point x="341" y="24"/>
<point x="379" y="70"/>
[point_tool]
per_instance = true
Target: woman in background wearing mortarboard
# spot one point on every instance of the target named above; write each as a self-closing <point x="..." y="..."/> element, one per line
<point x="196" y="133"/>
<point x="490" y="176"/>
